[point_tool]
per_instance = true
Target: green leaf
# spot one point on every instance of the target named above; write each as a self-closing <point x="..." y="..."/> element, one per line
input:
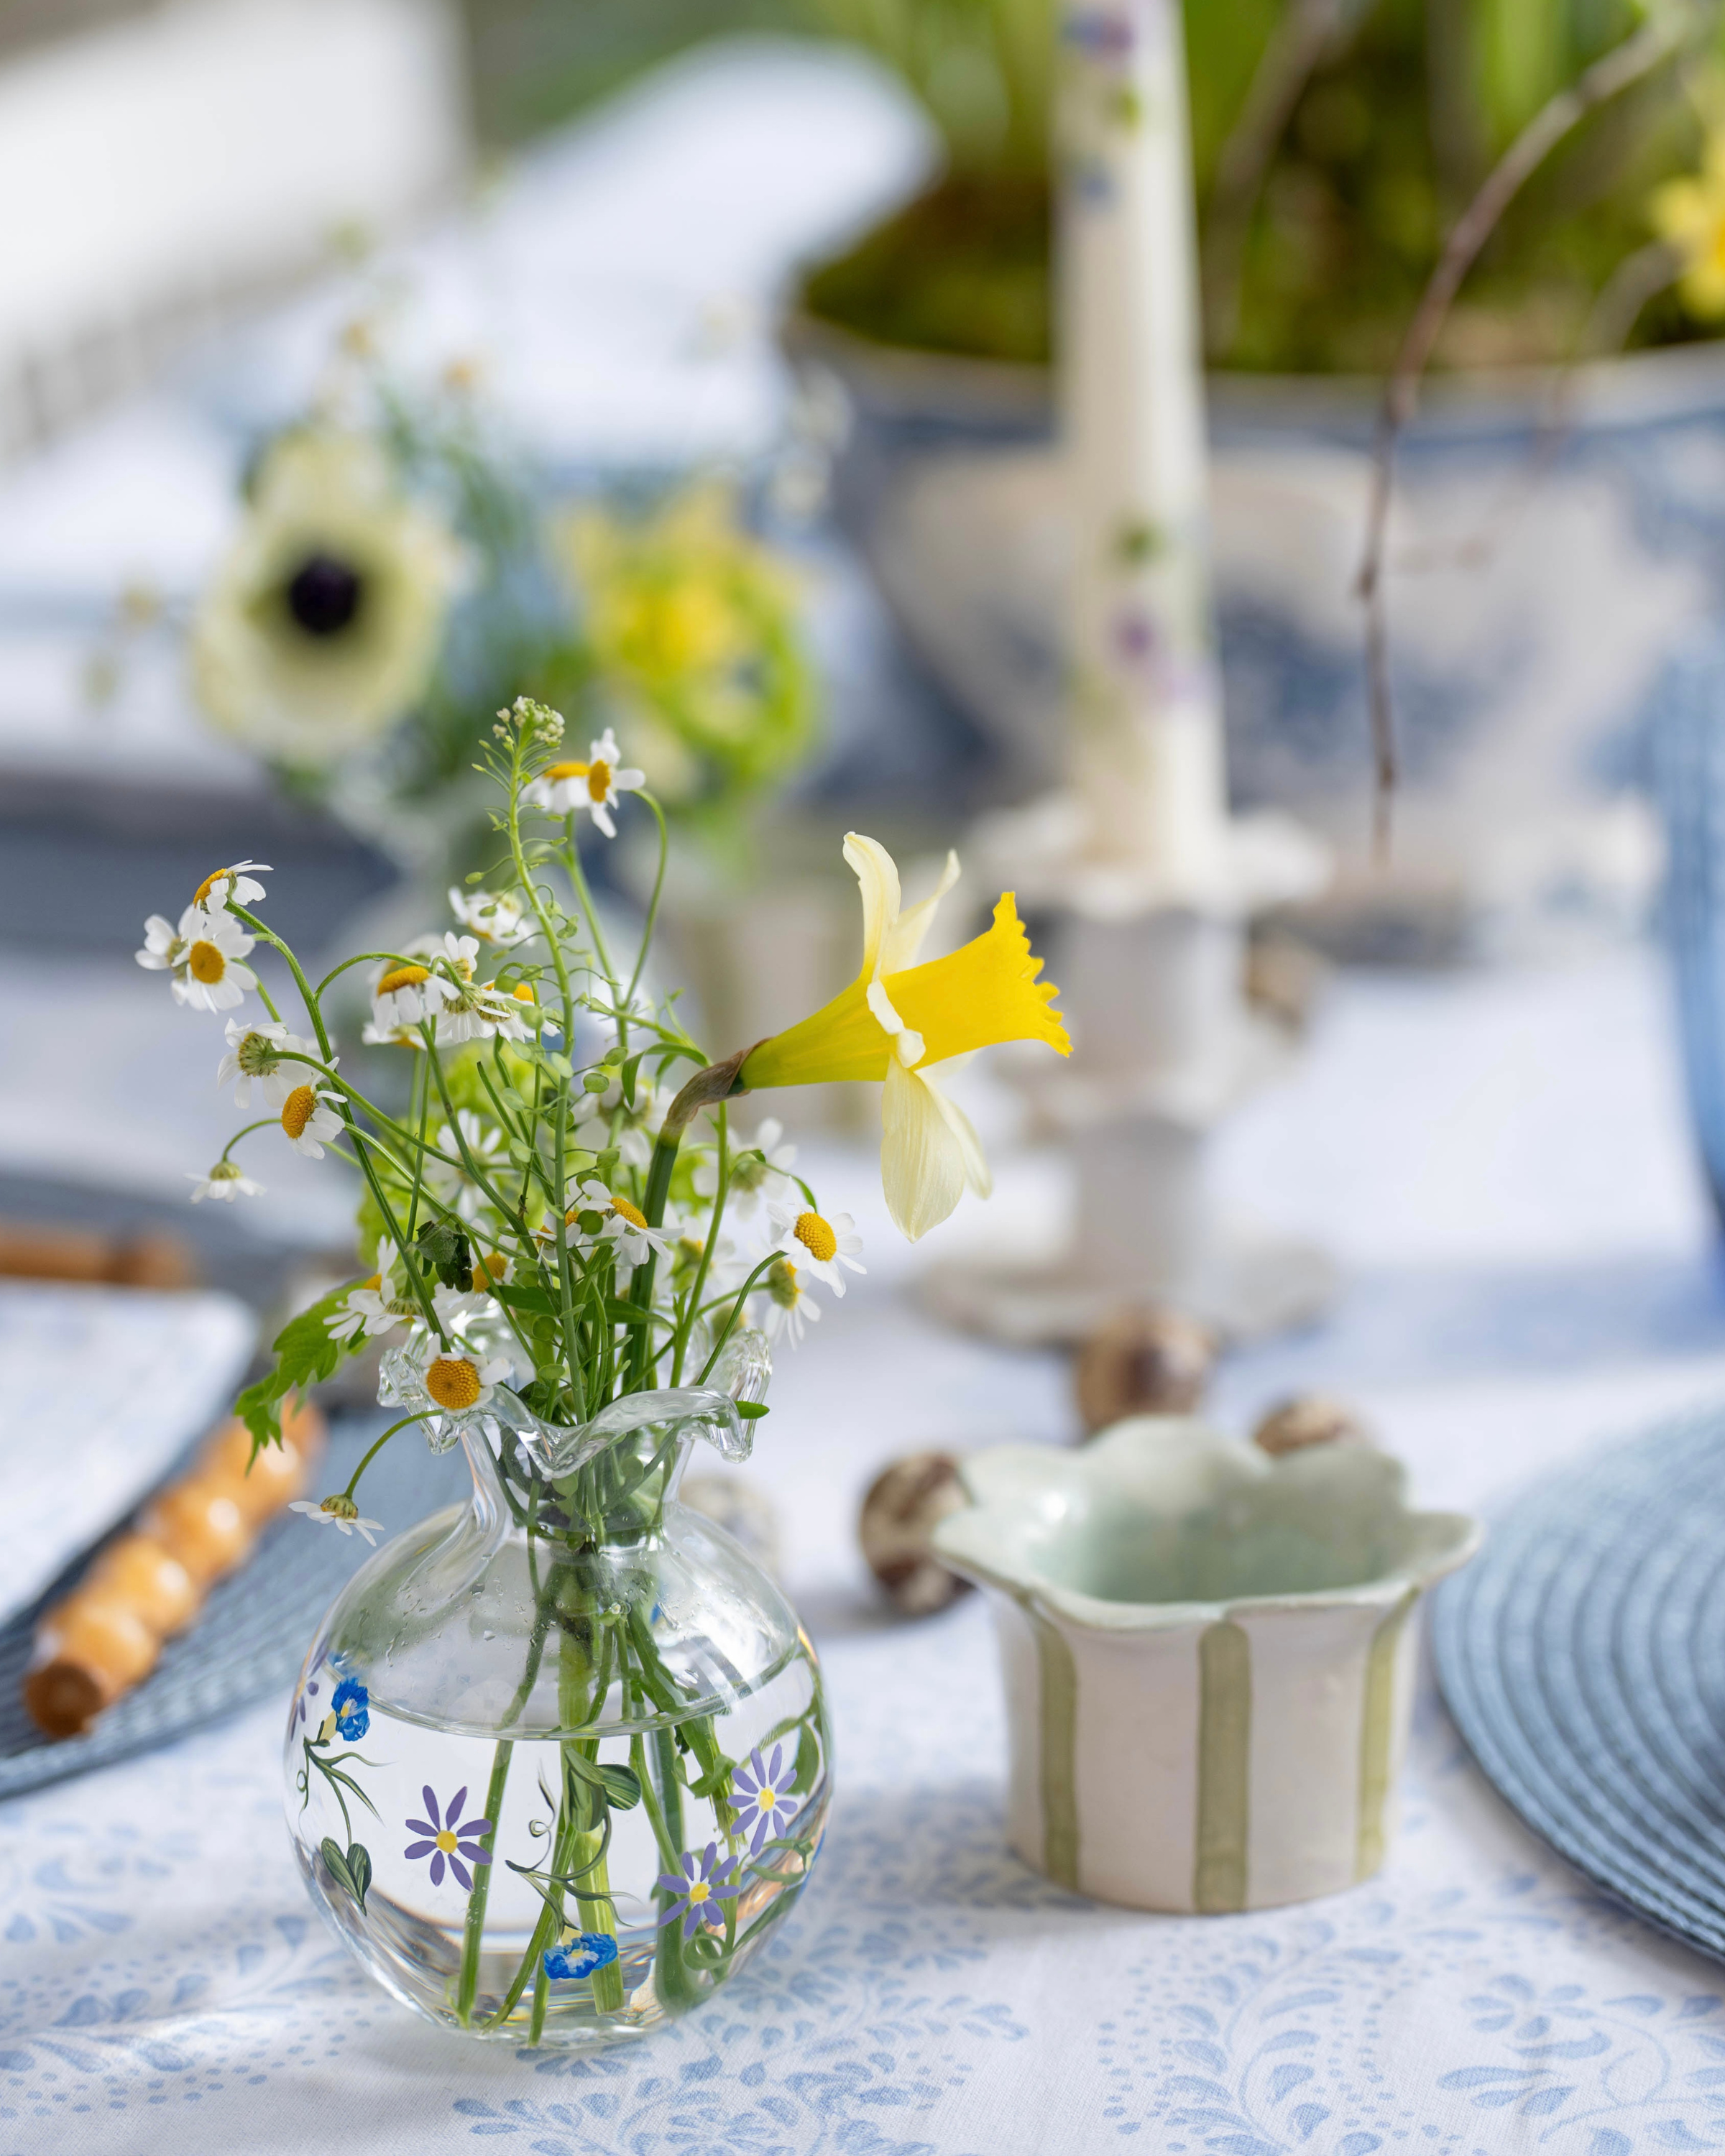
<point x="351" y="1872"/>
<point x="630" y="1313"/>
<point x="808" y="1762"/>
<point x="620" y="1785"/>
<point x="447" y="1251"/>
<point x="305" y="1354"/>
<point x="527" y="1297"/>
<point x="752" y="1410"/>
<point x="631" y="1070"/>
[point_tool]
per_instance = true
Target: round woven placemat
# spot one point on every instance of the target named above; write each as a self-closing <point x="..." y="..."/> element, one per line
<point x="252" y="1633"/>
<point x="1582" y="1656"/>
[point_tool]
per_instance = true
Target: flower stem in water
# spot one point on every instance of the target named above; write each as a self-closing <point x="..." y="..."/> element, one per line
<point x="467" y="1984"/>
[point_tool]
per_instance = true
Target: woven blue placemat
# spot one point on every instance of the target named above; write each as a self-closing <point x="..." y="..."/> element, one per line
<point x="252" y="1632"/>
<point x="1582" y="1656"/>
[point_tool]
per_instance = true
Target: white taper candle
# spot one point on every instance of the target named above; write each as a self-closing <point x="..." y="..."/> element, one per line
<point x="1144" y="690"/>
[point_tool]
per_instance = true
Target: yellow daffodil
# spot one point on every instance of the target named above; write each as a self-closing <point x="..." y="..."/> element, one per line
<point x="1689" y="215"/>
<point x="898" y="1022"/>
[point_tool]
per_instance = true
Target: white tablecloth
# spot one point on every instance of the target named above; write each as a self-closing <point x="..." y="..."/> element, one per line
<point x="1502" y="1162"/>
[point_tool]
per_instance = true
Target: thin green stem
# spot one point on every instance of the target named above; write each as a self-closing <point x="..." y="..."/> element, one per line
<point x="634" y="979"/>
<point x="467" y="1982"/>
<point x="263" y="1123"/>
<point x="685" y="1327"/>
<point x="372" y="1450"/>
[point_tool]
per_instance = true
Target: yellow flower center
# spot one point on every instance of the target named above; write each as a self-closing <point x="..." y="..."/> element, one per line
<point x="343" y="1507"/>
<point x="206" y="961"/>
<point x="297" y="1110"/>
<point x="816" y="1235"/>
<point x="445" y="1841"/>
<point x="402" y="977"/>
<point x="598" y="779"/>
<point x="374" y="1283"/>
<point x="554" y="771"/>
<point x="699" y="1892"/>
<point x="783" y="1286"/>
<point x="208" y="884"/>
<point x="625" y="1211"/>
<point x="766" y="1800"/>
<point x="485" y="1272"/>
<point x="523" y="992"/>
<point x="453" y="1382"/>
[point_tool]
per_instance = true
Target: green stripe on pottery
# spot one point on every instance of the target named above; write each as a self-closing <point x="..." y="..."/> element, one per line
<point x="1376" y="1733"/>
<point x="1060" y="1744"/>
<point x="1224" y="1736"/>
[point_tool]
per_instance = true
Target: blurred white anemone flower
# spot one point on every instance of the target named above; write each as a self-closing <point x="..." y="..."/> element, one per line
<point x="323" y="625"/>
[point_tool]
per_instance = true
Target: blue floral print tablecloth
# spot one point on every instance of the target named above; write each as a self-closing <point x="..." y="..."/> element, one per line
<point x="1502" y="1163"/>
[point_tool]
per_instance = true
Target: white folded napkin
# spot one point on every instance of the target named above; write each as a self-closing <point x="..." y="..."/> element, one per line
<point x="103" y="1387"/>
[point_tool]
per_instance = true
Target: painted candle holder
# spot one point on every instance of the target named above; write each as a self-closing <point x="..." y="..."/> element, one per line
<point x="1208" y="1656"/>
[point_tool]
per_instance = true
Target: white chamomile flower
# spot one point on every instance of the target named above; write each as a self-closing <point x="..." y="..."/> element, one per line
<point x="224" y="1182"/>
<point x="376" y="1305"/>
<point x="408" y="991"/>
<point x="600" y="1217"/>
<point x="478" y="1010"/>
<point x="309" y="1116"/>
<point x="201" y="957"/>
<point x="455" y="1305"/>
<point x="612" y="1121"/>
<point x="260" y="1056"/>
<point x="494" y="917"/>
<point x="235" y="885"/>
<point x="338" y="1512"/>
<point x="818" y="1244"/>
<point x="751" y="1178"/>
<point x="790" y="1306"/>
<point x="450" y="1179"/>
<point x="461" y="1384"/>
<point x="595" y="785"/>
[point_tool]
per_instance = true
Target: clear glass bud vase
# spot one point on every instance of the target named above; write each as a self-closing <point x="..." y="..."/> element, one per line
<point x="558" y="1761"/>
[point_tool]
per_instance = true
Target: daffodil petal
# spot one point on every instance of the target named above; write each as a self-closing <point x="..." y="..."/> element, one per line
<point x="977" y="1171"/>
<point x="904" y="941"/>
<point x="923" y="1158"/>
<point x="877" y="876"/>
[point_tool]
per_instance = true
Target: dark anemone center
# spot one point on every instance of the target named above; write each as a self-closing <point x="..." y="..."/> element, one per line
<point x="323" y="595"/>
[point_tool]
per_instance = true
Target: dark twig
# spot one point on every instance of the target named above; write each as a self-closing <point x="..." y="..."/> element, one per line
<point x="1613" y="72"/>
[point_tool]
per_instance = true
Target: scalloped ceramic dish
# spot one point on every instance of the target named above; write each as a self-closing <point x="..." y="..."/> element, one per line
<point x="1207" y="1657"/>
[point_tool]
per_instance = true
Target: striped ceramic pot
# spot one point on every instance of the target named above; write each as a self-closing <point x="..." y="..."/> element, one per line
<point x="1209" y="1657"/>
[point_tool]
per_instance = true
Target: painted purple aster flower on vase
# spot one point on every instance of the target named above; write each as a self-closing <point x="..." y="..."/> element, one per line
<point x="451" y="1838"/>
<point x="761" y="1795"/>
<point x="702" y="1886"/>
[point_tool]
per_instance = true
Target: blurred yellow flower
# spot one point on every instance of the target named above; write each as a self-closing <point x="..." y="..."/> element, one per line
<point x="1689" y="215"/>
<point x="324" y="623"/>
<point x="897" y="1020"/>
<point x="693" y="626"/>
